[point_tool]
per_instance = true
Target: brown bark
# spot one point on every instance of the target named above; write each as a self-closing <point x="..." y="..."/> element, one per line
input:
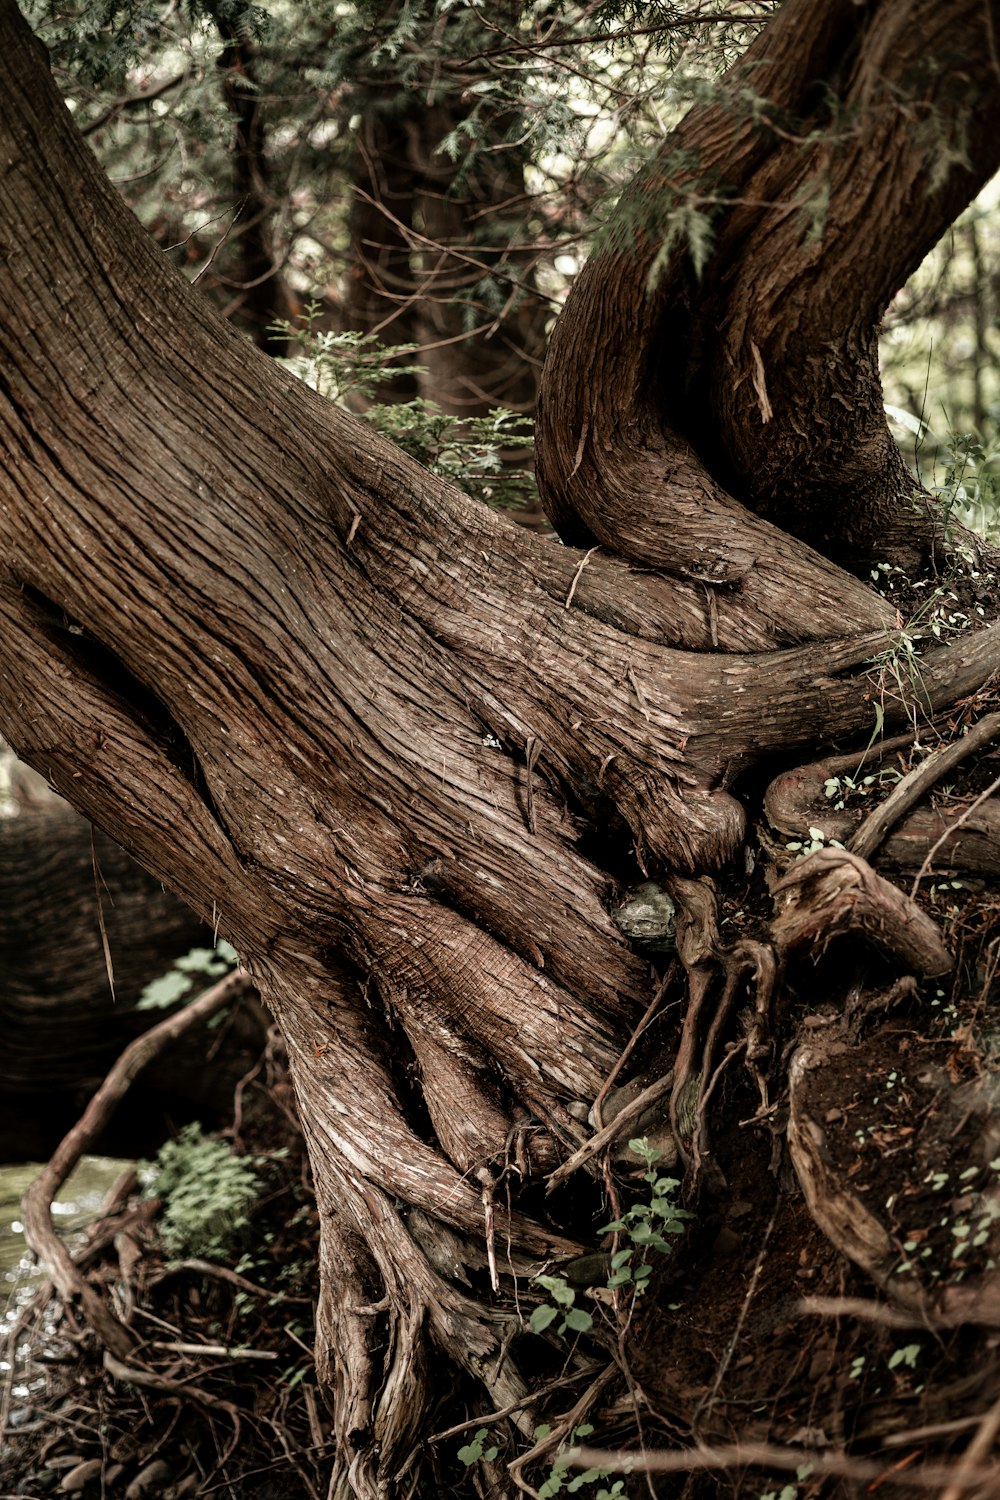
<point x="361" y="723"/>
<point x="870" y="131"/>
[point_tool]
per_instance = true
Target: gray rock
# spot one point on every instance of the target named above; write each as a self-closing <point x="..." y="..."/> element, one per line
<point x="647" y="917"/>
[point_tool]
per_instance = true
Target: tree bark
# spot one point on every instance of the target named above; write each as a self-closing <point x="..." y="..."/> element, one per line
<point x="845" y="144"/>
<point x="362" y="724"/>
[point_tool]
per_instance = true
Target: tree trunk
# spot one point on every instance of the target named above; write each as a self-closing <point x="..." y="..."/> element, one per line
<point x="258" y="297"/>
<point x="363" y="725"/>
<point x="431" y="236"/>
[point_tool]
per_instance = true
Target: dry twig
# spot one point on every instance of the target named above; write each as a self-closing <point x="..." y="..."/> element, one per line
<point x="39" y="1229"/>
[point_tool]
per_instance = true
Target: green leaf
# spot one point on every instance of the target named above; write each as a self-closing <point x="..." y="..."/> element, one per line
<point x="578" y="1319"/>
<point x="198" y="961"/>
<point x="542" y="1317"/>
<point x="166" y="990"/>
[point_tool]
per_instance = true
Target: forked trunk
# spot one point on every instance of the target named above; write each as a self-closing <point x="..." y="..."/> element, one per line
<point x="362" y="725"/>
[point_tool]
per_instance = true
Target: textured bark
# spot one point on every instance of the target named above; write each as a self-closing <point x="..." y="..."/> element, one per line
<point x="362" y="724"/>
<point x="760" y="386"/>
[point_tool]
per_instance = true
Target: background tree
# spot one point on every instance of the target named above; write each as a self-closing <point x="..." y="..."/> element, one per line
<point x="407" y="757"/>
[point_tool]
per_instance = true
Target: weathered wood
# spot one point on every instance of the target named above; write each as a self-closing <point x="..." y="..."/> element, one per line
<point x="361" y="724"/>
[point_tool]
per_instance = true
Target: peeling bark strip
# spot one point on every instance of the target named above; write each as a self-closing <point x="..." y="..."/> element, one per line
<point x="360" y="724"/>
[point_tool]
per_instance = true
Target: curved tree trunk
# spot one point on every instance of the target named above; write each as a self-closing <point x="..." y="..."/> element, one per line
<point x="362" y="725"/>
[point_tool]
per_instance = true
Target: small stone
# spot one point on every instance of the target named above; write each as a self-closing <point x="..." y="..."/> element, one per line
<point x="64" y="1461"/>
<point x="77" y="1479"/>
<point x="833" y="1115"/>
<point x="148" y="1480"/>
<point x="592" y="1269"/>
<point x="647" y="916"/>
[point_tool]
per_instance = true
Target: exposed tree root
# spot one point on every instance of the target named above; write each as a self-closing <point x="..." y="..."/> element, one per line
<point x="832" y="892"/>
<point x="965" y="839"/>
<point x="789" y="1461"/>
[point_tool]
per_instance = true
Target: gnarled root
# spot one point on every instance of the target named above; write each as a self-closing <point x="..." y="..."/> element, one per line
<point x="832" y="892"/>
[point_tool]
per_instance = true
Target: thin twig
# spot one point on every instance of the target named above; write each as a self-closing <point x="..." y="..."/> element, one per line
<point x="964" y="816"/>
<point x="861" y="1307"/>
<point x="585" y="559"/>
<point x="908" y="792"/>
<point x="978" y="1450"/>
<point x="39" y="1229"/>
<point x="764" y="1456"/>
<point x="98" y="882"/>
<point x="630" y="1045"/>
<point x="708" y="1400"/>
<point x="565" y="1424"/>
<point x="604" y="1137"/>
<point x="214" y="1351"/>
<point x="532" y="748"/>
<point x="508" y="1411"/>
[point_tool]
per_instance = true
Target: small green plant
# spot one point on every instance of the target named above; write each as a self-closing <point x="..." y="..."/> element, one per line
<point x="351" y="368"/>
<point x="817" y="840"/>
<point x="970" y="490"/>
<point x="559" y="1479"/>
<point x="476" y="1449"/>
<point x="177" y="983"/>
<point x="645" y="1225"/>
<point x="207" y="1193"/>
<point x="563" y="1297"/>
<point x="844" y="790"/>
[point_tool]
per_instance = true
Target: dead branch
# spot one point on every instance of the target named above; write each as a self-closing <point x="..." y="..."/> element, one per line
<point x="39" y="1229"/>
<point x="908" y="792"/>
<point x="764" y="1456"/>
<point x="610" y="1132"/>
<point x="832" y="892"/>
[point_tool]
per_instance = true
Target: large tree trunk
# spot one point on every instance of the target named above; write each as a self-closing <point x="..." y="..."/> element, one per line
<point x="362" y="725"/>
